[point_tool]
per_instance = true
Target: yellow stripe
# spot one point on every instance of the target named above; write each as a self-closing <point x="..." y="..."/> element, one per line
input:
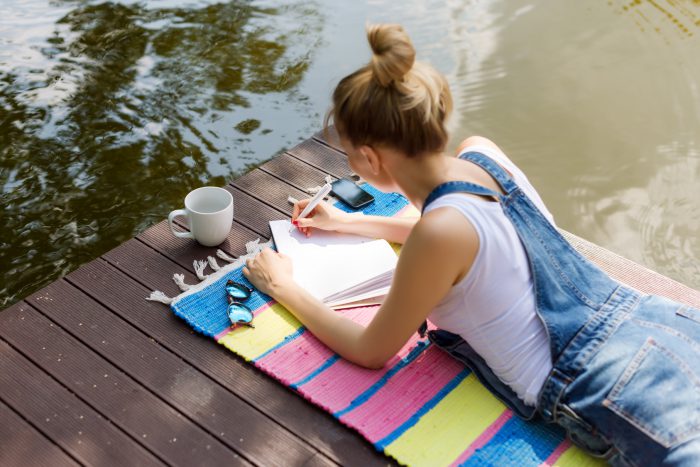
<point x="454" y="423"/>
<point x="271" y="327"/>
<point x="575" y="457"/>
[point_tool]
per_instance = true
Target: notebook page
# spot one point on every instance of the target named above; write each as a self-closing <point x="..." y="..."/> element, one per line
<point x="330" y="262"/>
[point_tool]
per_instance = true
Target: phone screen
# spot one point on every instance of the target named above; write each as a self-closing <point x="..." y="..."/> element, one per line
<point x="351" y="194"/>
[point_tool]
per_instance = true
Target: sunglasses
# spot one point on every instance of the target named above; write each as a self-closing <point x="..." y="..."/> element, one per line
<point x="236" y="294"/>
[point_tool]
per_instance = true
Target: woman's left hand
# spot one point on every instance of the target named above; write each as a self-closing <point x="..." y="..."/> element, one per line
<point x="270" y="272"/>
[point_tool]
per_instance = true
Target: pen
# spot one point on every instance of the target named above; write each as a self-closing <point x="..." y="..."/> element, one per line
<point x="318" y="197"/>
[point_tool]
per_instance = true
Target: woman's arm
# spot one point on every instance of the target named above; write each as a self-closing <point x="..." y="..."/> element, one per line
<point x="327" y="217"/>
<point x="391" y="229"/>
<point x="427" y="269"/>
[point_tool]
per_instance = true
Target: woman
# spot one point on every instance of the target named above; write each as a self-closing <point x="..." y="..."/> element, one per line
<point x="545" y="330"/>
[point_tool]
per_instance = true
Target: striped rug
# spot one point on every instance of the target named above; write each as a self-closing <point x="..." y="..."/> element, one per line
<point x="422" y="408"/>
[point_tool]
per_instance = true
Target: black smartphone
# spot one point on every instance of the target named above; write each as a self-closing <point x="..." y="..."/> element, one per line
<point x="351" y="194"/>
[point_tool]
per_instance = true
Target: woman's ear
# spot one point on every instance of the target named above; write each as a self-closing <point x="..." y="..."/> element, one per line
<point x="373" y="158"/>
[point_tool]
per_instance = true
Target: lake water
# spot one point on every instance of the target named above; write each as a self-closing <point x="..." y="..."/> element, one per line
<point x="110" y="112"/>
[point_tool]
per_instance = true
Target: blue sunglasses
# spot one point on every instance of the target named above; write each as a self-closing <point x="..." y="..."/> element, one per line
<point x="238" y="313"/>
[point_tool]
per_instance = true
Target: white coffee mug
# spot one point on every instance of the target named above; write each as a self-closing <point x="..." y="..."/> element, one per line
<point x="210" y="213"/>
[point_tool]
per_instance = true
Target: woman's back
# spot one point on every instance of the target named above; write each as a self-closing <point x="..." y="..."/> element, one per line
<point x="493" y="306"/>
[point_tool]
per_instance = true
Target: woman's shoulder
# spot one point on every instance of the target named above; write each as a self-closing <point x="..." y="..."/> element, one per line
<point x="491" y="150"/>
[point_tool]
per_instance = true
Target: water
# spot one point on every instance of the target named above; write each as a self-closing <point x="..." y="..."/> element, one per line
<point x="110" y="112"/>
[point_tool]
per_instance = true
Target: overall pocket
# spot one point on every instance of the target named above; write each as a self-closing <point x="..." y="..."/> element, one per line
<point x="659" y="394"/>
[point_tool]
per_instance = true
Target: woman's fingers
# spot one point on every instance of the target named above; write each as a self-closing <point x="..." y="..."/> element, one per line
<point x="298" y="207"/>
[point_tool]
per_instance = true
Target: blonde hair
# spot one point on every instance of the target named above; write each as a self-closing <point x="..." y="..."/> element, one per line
<point x="393" y="100"/>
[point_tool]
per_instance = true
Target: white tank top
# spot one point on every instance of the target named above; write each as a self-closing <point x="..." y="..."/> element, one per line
<point x="493" y="306"/>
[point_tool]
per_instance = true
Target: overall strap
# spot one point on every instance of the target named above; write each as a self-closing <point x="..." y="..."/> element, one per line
<point x="458" y="187"/>
<point x="501" y="176"/>
<point x="496" y="171"/>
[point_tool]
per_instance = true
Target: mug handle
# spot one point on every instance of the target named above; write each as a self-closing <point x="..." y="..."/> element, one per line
<point x="173" y="215"/>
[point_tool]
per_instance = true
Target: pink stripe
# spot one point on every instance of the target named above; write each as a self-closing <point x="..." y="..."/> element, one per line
<point x="255" y="313"/>
<point x="566" y="444"/>
<point x="336" y="387"/>
<point x="293" y="361"/>
<point x="404" y="394"/>
<point x="484" y="437"/>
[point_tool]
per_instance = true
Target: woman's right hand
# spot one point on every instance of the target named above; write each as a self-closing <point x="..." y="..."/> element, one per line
<point x="323" y="216"/>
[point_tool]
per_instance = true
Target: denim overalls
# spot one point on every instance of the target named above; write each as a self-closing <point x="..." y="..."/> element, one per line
<point x="626" y="378"/>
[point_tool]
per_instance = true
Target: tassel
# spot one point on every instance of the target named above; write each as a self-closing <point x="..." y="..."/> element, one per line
<point x="213" y="264"/>
<point x="199" y="269"/>
<point x="253" y="246"/>
<point x="180" y="281"/>
<point x="315" y="189"/>
<point x="159" y="296"/>
<point x="224" y="256"/>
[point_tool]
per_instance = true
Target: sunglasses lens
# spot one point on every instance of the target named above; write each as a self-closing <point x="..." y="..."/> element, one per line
<point x="237" y="291"/>
<point x="239" y="313"/>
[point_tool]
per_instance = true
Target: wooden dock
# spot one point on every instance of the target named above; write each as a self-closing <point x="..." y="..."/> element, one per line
<point x="93" y="374"/>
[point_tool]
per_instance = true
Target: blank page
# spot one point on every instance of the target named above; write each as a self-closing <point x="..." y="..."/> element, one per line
<point x="330" y="262"/>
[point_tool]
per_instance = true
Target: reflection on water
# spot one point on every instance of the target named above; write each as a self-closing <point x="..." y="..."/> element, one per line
<point x="111" y="111"/>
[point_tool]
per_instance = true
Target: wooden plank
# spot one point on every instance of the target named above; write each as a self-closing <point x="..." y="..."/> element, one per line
<point x="272" y="191"/>
<point x="294" y="172"/>
<point x="119" y="292"/>
<point x="259" y="439"/>
<point x="322" y="157"/>
<point x="633" y="274"/>
<point x="23" y="445"/>
<point x="268" y="189"/>
<point x="62" y="417"/>
<point x="185" y="251"/>
<point x="111" y="382"/>
<point x="252" y="213"/>
<point x="329" y="138"/>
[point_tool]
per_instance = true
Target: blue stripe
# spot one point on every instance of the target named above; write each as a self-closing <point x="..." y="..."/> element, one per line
<point x="286" y="341"/>
<point x="519" y="443"/>
<point x="391" y="437"/>
<point x="316" y="372"/>
<point x="369" y="392"/>
<point x="384" y="204"/>
<point x="205" y="310"/>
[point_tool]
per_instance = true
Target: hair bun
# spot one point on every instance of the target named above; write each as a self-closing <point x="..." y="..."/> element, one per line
<point x="394" y="54"/>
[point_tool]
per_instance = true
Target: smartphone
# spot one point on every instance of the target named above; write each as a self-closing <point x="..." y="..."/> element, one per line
<point x="349" y="193"/>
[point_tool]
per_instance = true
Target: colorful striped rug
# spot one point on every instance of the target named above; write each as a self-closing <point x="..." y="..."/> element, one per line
<point x="422" y="408"/>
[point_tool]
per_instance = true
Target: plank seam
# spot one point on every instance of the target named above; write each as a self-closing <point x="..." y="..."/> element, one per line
<point x="255" y="407"/>
<point x="128" y="375"/>
<point x="293" y="185"/>
<point x="318" y="140"/>
<point x="322" y="169"/>
<point x="256" y="198"/>
<point x="39" y="430"/>
<point x="94" y="409"/>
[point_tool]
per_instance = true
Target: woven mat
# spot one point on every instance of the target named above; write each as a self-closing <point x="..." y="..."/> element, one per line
<point x="422" y="408"/>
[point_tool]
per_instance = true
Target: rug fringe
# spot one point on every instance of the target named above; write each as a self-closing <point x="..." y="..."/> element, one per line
<point x="179" y="280"/>
<point x="254" y="246"/>
<point x="158" y="296"/>
<point x="213" y="264"/>
<point x="224" y="256"/>
<point x="199" y="266"/>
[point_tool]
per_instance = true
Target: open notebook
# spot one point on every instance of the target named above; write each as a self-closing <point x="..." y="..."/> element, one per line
<point x="341" y="270"/>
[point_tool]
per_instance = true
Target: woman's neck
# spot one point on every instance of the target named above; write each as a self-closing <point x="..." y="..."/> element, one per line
<point x="418" y="176"/>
